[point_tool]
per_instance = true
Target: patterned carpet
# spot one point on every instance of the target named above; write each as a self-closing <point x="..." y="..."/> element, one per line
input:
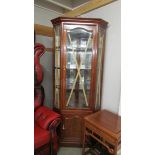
<point x="74" y="151"/>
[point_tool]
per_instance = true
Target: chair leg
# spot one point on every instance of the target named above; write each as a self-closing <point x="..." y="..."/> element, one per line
<point x="54" y="138"/>
<point x="54" y="144"/>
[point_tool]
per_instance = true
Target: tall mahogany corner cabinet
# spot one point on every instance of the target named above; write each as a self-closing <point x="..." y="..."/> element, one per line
<point x="78" y="61"/>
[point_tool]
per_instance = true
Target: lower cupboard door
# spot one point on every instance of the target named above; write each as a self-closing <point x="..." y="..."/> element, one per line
<point x="71" y="133"/>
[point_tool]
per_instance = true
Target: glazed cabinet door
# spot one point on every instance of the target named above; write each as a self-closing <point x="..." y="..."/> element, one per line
<point x="79" y="55"/>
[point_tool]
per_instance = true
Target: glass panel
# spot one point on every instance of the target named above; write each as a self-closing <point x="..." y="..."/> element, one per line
<point x="78" y="67"/>
<point x="99" y="69"/>
<point x="57" y="66"/>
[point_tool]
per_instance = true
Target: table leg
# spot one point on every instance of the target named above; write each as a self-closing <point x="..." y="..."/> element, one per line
<point x="115" y="150"/>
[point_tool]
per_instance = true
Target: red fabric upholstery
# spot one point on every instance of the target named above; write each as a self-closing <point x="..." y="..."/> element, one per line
<point x="41" y="136"/>
<point x="38" y="97"/>
<point x="44" y="117"/>
<point x="38" y="52"/>
<point x="45" y="151"/>
<point x="45" y="120"/>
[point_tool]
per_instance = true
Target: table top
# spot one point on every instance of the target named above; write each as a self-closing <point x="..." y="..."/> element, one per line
<point x="105" y="120"/>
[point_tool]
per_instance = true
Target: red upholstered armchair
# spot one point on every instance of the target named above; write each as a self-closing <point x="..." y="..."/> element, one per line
<point x="46" y="121"/>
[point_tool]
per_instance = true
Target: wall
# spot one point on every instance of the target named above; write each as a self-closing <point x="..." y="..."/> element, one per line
<point x="43" y="17"/>
<point x="112" y="67"/>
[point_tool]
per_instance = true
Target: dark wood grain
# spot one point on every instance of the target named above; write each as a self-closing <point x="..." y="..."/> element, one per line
<point x="73" y="119"/>
<point x="105" y="127"/>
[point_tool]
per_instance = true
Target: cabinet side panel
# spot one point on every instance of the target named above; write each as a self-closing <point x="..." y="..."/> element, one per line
<point x="57" y="67"/>
<point x="99" y="69"/>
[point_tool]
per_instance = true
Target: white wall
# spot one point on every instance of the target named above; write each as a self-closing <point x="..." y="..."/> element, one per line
<point x="112" y="69"/>
<point x="44" y="16"/>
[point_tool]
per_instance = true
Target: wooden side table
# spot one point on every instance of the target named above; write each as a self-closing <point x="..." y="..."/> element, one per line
<point x="104" y="127"/>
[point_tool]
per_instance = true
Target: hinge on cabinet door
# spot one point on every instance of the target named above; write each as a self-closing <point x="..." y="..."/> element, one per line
<point x="63" y="127"/>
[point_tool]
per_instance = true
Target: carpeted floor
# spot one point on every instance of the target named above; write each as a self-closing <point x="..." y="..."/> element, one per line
<point x="74" y="151"/>
<point x="70" y="151"/>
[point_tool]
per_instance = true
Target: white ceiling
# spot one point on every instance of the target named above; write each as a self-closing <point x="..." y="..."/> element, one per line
<point x="60" y="6"/>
